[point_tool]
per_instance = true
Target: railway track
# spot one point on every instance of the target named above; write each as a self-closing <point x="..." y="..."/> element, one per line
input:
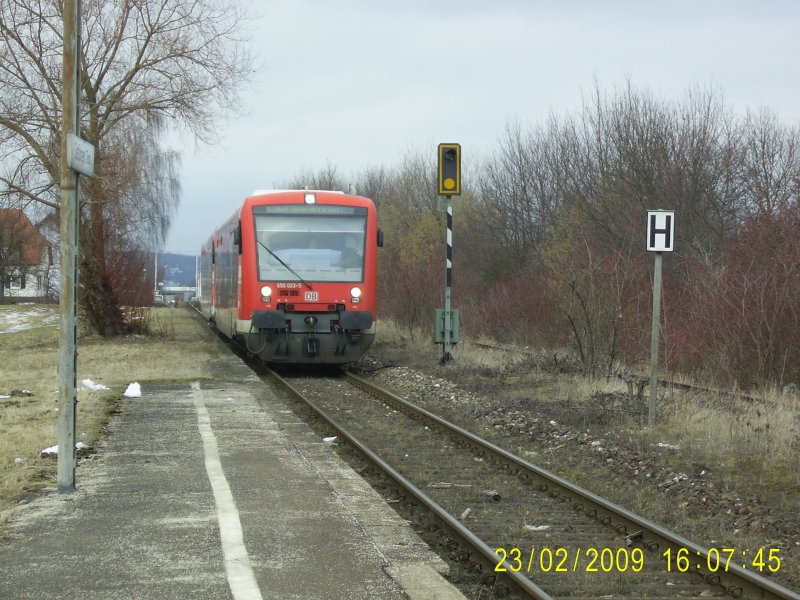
<point x="534" y="532"/>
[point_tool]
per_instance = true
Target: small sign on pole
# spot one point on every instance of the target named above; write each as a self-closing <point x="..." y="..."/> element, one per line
<point x="80" y="155"/>
<point x="660" y="230"/>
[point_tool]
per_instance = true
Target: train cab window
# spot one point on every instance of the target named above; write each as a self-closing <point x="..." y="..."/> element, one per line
<point x="318" y="242"/>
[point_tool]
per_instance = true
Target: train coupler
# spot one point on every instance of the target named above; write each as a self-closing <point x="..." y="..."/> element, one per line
<point x="340" y="338"/>
<point x="312" y="345"/>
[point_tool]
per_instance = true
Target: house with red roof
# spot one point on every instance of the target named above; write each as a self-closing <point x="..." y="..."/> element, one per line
<point x="26" y="259"/>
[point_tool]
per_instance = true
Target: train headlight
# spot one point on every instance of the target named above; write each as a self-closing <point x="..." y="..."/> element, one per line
<point x="266" y="293"/>
<point x="355" y="295"/>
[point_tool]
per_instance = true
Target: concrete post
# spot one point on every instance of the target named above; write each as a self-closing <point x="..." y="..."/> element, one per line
<point x="67" y="346"/>
<point x="651" y="415"/>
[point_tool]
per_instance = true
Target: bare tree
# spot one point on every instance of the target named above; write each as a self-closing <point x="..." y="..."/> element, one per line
<point x="11" y="252"/>
<point x="522" y="192"/>
<point x="144" y="64"/>
<point x="375" y="183"/>
<point x="771" y="174"/>
<point x="326" y="178"/>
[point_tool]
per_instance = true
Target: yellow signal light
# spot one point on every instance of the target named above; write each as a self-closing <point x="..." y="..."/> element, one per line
<point x="449" y="169"/>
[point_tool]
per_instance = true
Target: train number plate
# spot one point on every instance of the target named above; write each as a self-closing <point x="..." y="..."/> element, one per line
<point x="312" y="296"/>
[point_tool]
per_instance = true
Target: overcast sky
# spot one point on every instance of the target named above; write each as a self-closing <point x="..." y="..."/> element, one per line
<point x="356" y="84"/>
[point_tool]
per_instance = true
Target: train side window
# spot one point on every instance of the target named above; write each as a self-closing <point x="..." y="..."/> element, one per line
<point x="237" y="237"/>
<point x="213" y="252"/>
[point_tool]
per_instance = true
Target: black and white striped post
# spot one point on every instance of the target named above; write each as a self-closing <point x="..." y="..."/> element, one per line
<point x="449" y="185"/>
<point x="448" y="284"/>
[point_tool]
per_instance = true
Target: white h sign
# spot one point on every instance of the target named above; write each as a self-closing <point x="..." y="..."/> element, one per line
<point x="660" y="230"/>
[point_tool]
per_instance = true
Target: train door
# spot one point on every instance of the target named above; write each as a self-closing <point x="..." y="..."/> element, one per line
<point x="213" y="276"/>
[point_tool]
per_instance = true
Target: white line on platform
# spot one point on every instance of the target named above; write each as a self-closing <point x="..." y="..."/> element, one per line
<point x="241" y="578"/>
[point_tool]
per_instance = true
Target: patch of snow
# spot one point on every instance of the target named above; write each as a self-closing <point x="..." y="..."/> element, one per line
<point x="13" y="321"/>
<point x="54" y="449"/>
<point x="537" y="527"/>
<point x="134" y="390"/>
<point x="330" y="440"/>
<point x="91" y="385"/>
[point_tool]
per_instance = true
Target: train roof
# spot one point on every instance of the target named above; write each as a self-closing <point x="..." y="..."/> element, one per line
<point x="265" y="192"/>
<point x="326" y="197"/>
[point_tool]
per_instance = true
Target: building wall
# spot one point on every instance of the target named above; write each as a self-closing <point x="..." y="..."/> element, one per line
<point x="37" y="287"/>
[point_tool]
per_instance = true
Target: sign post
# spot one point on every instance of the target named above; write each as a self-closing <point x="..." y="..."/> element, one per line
<point x="660" y="239"/>
<point x="449" y="175"/>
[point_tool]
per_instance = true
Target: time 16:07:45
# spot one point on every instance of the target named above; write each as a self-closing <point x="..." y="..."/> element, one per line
<point x="720" y="559"/>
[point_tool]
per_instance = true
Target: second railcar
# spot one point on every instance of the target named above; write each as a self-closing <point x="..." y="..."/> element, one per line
<point x="292" y="276"/>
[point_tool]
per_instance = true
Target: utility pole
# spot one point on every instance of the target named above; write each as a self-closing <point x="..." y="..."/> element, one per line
<point x="67" y="341"/>
<point x="76" y="156"/>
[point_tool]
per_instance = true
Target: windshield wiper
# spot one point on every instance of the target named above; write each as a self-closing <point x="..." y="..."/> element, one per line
<point x="280" y="260"/>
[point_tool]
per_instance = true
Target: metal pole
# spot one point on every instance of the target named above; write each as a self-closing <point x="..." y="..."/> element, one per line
<point x="651" y="415"/>
<point x="67" y="346"/>
<point x="448" y="282"/>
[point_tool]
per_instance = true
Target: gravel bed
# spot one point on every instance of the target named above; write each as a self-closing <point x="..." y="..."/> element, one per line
<point x="641" y="479"/>
<point x="501" y="509"/>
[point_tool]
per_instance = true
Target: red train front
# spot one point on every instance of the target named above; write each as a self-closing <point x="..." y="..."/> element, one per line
<point x="291" y="276"/>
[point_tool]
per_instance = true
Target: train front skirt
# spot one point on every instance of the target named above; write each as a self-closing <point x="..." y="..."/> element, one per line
<point x="300" y="337"/>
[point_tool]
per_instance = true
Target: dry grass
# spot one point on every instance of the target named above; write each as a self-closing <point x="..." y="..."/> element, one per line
<point x="416" y="348"/>
<point x="752" y="447"/>
<point x="28" y="361"/>
<point x="740" y="455"/>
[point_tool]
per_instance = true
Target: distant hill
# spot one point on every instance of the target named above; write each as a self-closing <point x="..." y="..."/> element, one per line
<point x="178" y="269"/>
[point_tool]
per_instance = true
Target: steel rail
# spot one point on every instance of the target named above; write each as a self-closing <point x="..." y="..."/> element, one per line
<point x="735" y="581"/>
<point x="456" y="527"/>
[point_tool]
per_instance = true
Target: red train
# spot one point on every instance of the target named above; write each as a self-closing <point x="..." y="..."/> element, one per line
<point x="292" y="276"/>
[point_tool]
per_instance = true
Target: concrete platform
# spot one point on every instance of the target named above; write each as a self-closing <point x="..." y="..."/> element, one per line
<point x="215" y="491"/>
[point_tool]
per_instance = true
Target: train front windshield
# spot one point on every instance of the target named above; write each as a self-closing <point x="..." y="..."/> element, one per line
<point x="320" y="242"/>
